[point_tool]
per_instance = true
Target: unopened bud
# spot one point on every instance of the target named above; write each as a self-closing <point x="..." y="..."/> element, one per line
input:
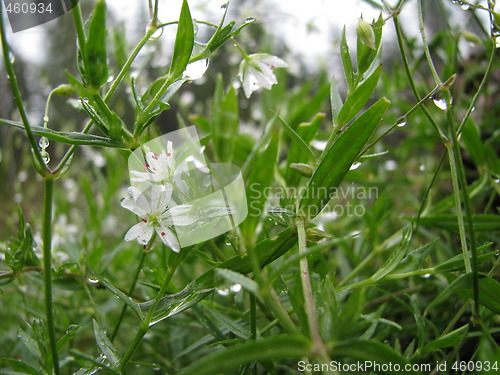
<point x="366" y="34"/>
<point x="305" y="170"/>
<point x="316" y="235"/>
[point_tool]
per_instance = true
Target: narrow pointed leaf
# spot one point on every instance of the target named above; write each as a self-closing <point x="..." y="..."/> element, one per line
<point x="359" y="97"/>
<point x="184" y="42"/>
<point x="223" y="361"/>
<point x="337" y="159"/>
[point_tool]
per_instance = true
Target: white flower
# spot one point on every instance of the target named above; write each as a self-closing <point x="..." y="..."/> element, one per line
<point x="257" y="71"/>
<point x="159" y="167"/>
<point x="156" y="214"/>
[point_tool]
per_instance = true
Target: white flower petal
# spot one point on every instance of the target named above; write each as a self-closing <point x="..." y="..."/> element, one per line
<point x="142" y="231"/>
<point x="273" y="61"/>
<point x="168" y="238"/>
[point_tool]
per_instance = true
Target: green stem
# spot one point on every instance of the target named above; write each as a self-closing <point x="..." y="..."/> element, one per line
<point x="467" y="205"/>
<point x="130" y="292"/>
<point x="458" y="206"/>
<point x="318" y="345"/>
<point x="67" y="157"/>
<point x="479" y="89"/>
<point x="80" y="30"/>
<point x="146" y="324"/>
<point x="406" y="65"/>
<point x="47" y="268"/>
<point x="14" y="85"/>
<point x="253" y="324"/>
<point x="427" y="52"/>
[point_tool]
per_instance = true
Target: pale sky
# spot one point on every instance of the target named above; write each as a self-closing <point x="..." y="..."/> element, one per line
<point x="309" y="27"/>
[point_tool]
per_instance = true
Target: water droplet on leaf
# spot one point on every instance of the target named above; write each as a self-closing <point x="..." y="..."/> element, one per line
<point x="465" y="6"/>
<point x="43" y="143"/>
<point x="355" y="166"/>
<point x="92" y="281"/>
<point x="439" y="102"/>
<point x="235" y="288"/>
<point x="195" y="70"/>
<point x="249" y="19"/>
<point x="158" y="33"/>
<point x="401" y="123"/>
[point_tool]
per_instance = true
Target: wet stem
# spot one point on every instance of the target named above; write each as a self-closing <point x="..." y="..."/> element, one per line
<point x="47" y="268"/>
<point x="130" y="292"/>
<point x="319" y="348"/>
<point x="146" y="323"/>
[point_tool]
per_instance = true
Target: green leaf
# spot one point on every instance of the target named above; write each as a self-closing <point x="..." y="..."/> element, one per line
<point x="457" y="262"/>
<point x="20" y="367"/>
<point x="482" y="223"/>
<point x="224" y="121"/>
<point x="176" y="303"/>
<point x="306" y="131"/>
<point x="223" y="361"/>
<point x="346" y="62"/>
<point x="338" y="158"/>
<point x="184" y="41"/>
<point x="267" y="250"/>
<point x="359" y="97"/>
<point x="297" y="139"/>
<point x="130" y="303"/>
<point x="451" y="339"/>
<point x="96" y="66"/>
<point x="370" y="350"/>
<point x="395" y="258"/>
<point x="30" y="344"/>
<point x="335" y="100"/>
<point x="415" y="258"/>
<point x="108" y="350"/>
<point x="238" y="278"/>
<point x="220" y="37"/>
<point x="71" y="138"/>
<point x="489" y="292"/>
<point x="70" y="333"/>
<point x="258" y="180"/>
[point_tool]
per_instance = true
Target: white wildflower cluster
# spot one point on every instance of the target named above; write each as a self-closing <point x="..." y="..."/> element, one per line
<point x="257" y="71"/>
<point x="154" y="205"/>
<point x="177" y="196"/>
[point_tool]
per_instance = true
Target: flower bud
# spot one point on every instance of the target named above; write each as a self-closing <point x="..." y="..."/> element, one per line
<point x="471" y="37"/>
<point x="316" y="235"/>
<point x="305" y="170"/>
<point x="365" y="33"/>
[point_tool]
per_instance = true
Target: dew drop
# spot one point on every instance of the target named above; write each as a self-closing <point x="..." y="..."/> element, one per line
<point x="465" y="6"/>
<point x="421" y="168"/>
<point x="45" y="157"/>
<point x="43" y="143"/>
<point x="12" y="57"/>
<point x="222" y="291"/>
<point x="228" y="243"/>
<point x="249" y="19"/>
<point x="355" y="166"/>
<point x="195" y="70"/>
<point x="235" y="288"/>
<point x="158" y="33"/>
<point x="92" y="281"/>
<point x="440" y="102"/>
<point x="45" y="119"/>
<point x="402" y="123"/>
<point x="427" y="275"/>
